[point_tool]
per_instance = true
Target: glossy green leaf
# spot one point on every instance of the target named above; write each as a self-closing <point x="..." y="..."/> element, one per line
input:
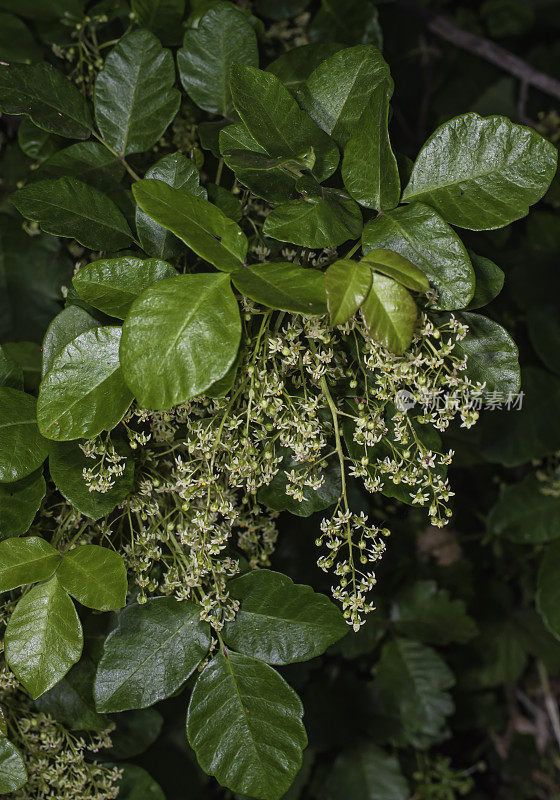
<point x="47" y="97"/>
<point x="389" y="313"/>
<point x="71" y="700"/>
<point x="66" y="464"/>
<point x="180" y="336"/>
<point x="84" y="392"/>
<point x="525" y="514"/>
<point x="150" y="654"/>
<point x="548" y="589"/>
<point x="492" y="355"/>
<point x="225" y="200"/>
<point x="397" y="267"/>
<point x="340" y="88"/>
<point x="244" y="723"/>
<point x="13" y="773"/>
<point x="65" y="327"/>
<point x="68" y="207"/>
<point x="134" y="97"/>
<point x="28" y="356"/>
<point x="369" y="166"/>
<point x="179" y="172"/>
<point x="17" y="43"/>
<point x="137" y="784"/>
<point x="274" y="495"/>
<point x="95" y="576"/>
<point x="366" y="772"/>
<point x="279" y="621"/>
<point x="162" y="17"/>
<point x="489" y="280"/>
<point x="295" y="66"/>
<point x="90" y="162"/>
<point x="37" y="143"/>
<point x="420" y="235"/>
<point x="347" y="284"/>
<point x="275" y="185"/>
<point x="222" y="37"/>
<point x="43" y="637"/>
<point x="427" y="614"/>
<point x="315" y="221"/>
<point x="411" y="681"/>
<point x="22" y="448"/>
<point x="543" y="323"/>
<point x="482" y="173"/>
<point x="19" y="502"/>
<point x="283" y="285"/>
<point x="11" y="373"/>
<point x="24" y="561"/>
<point x="198" y="223"/>
<point x="275" y="121"/>
<point x="112" y="284"/>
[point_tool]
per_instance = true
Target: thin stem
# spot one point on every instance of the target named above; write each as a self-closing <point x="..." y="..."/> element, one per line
<point x="122" y="159"/>
<point x="219" y="172"/>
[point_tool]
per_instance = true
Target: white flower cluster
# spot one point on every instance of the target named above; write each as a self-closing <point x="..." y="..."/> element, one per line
<point x="100" y="477"/>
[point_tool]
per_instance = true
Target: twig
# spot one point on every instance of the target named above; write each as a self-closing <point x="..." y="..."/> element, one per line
<point x="549" y="701"/>
<point x="484" y="48"/>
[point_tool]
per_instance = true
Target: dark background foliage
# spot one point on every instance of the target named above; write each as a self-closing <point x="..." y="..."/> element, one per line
<point x="483" y="719"/>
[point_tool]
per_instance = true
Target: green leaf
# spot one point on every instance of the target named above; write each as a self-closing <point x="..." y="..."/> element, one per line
<point x="222" y="37"/>
<point x="68" y="207"/>
<point x="47" y="97"/>
<point x="112" y="284"/>
<point x="193" y="325"/>
<point x="19" y="502"/>
<point x="543" y="323"/>
<point x="162" y="17"/>
<point x="17" y="43"/>
<point x="295" y="66"/>
<point x="397" y="267"/>
<point x="135" y="731"/>
<point x="65" y="327"/>
<point x="340" y="88"/>
<point x="22" y="448"/>
<point x="411" y="681"/>
<point x="275" y="121"/>
<point x="179" y="172"/>
<point x="427" y="614"/>
<point x="369" y="166"/>
<point x="548" y="589"/>
<point x="95" y="576"/>
<point x="274" y="185"/>
<point x="365" y="772"/>
<point x="134" y="97"/>
<point x="35" y="142"/>
<point x="43" y="637"/>
<point x="66" y="464"/>
<point x="244" y="723"/>
<point x="225" y="200"/>
<point x="279" y="621"/>
<point x="84" y="392"/>
<point x="137" y="784"/>
<point x="327" y="220"/>
<point x="13" y="773"/>
<point x="482" y="173"/>
<point x="347" y="284"/>
<point x="389" y="313"/>
<point x="528" y="432"/>
<point x="489" y="280"/>
<point x="525" y="514"/>
<point x="28" y="356"/>
<point x="283" y="285"/>
<point x="24" y="561"/>
<point x="198" y="223"/>
<point x="11" y="373"/>
<point x="420" y="235"/>
<point x="150" y="654"/>
<point x="91" y="162"/>
<point x="71" y="700"/>
<point x="355" y="21"/>
<point x="492" y="355"/>
<point x="274" y="495"/>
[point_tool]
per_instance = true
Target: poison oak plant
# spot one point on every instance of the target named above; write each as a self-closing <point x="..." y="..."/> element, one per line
<point x="269" y="309"/>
